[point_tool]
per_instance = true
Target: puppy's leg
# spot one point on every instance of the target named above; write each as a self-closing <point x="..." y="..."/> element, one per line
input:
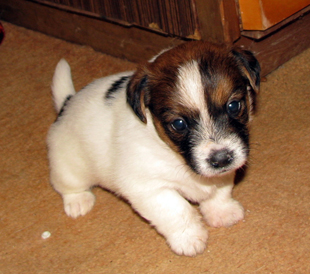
<point x="78" y="204"/>
<point x="222" y="209"/>
<point x="174" y="218"/>
<point x="75" y="191"/>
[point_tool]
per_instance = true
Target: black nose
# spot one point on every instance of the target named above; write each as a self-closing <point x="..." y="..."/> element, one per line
<point x="220" y="158"/>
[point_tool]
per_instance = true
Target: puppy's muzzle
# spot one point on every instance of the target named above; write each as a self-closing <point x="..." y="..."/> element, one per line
<point x="220" y="158"/>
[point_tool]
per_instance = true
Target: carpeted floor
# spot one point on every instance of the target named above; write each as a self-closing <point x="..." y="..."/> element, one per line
<point x="274" y="238"/>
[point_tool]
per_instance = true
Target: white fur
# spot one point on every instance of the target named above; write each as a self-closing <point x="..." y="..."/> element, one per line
<point x="62" y="84"/>
<point x="97" y="143"/>
<point x="204" y="148"/>
<point x="190" y="86"/>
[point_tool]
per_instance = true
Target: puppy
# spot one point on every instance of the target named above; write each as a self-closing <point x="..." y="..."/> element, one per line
<point x="173" y="132"/>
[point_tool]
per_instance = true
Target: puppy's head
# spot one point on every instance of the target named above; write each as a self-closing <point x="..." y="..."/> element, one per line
<point x="201" y="97"/>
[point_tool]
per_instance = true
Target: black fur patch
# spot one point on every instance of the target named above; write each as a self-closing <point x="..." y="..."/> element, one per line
<point x="115" y="87"/>
<point x="64" y="106"/>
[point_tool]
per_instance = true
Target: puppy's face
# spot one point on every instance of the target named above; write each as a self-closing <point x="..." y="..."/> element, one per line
<point x="201" y="97"/>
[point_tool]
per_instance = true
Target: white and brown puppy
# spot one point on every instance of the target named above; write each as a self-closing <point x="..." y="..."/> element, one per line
<point x="174" y="131"/>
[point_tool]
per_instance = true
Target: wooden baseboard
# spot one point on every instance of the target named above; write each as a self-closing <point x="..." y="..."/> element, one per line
<point x="137" y="44"/>
<point x="130" y="42"/>
<point x="277" y="48"/>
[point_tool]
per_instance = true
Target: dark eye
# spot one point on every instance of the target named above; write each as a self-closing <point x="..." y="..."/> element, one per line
<point x="179" y="125"/>
<point x="233" y="108"/>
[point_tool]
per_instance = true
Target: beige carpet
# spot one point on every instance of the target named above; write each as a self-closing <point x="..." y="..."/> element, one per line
<point x="274" y="238"/>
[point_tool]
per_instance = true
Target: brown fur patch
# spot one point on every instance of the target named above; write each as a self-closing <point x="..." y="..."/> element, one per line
<point x="223" y="91"/>
<point x="164" y="136"/>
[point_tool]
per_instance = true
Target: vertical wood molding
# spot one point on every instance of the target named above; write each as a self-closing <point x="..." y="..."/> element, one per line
<point x="218" y="20"/>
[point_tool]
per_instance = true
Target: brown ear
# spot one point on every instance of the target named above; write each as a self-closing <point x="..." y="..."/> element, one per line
<point x="249" y="66"/>
<point x="137" y="93"/>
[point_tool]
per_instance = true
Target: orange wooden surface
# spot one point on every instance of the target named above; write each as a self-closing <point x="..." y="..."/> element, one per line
<point x="263" y="14"/>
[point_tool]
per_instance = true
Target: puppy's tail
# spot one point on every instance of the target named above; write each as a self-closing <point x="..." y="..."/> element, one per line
<point x="62" y="86"/>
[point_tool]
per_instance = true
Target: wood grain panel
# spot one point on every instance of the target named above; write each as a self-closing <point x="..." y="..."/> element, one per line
<point x="171" y="17"/>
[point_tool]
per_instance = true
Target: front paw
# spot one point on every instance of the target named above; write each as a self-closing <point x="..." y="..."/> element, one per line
<point x="78" y="204"/>
<point x="222" y="214"/>
<point x="190" y="241"/>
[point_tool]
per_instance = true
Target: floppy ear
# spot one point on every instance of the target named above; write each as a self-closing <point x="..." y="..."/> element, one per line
<point x="251" y="69"/>
<point x="249" y="66"/>
<point x="137" y="93"/>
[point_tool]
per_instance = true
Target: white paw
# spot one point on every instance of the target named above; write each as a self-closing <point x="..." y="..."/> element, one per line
<point x="189" y="242"/>
<point x="78" y="204"/>
<point x="224" y="214"/>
